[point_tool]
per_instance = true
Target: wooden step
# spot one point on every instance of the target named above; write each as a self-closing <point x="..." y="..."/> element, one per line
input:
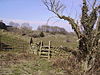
<point x="44" y="56"/>
<point x="45" y="50"/>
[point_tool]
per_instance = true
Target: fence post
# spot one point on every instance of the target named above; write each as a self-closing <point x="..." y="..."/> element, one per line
<point x="40" y="48"/>
<point x="0" y="43"/>
<point x="49" y="50"/>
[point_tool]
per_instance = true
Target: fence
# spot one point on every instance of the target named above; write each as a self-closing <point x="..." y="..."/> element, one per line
<point x="12" y="44"/>
<point x="48" y="51"/>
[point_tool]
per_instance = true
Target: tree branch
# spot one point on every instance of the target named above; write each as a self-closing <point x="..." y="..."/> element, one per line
<point x="56" y="7"/>
<point x="73" y="24"/>
<point x="84" y="18"/>
<point x="93" y="16"/>
<point x="97" y="37"/>
<point x="98" y="25"/>
<point x="94" y="3"/>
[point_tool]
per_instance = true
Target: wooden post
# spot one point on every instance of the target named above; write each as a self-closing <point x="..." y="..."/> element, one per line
<point x="49" y="50"/>
<point x="0" y="43"/>
<point x="13" y="45"/>
<point x="40" y="48"/>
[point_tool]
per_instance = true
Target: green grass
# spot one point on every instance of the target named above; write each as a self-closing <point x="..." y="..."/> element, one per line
<point x="23" y="64"/>
<point x="41" y="64"/>
<point x="59" y="40"/>
<point x="30" y="64"/>
<point x="13" y="40"/>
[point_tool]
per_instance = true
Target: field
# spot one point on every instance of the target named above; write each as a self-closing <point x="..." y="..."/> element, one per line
<point x="20" y="61"/>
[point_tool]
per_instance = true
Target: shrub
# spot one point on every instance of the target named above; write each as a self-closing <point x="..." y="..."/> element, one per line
<point x="70" y="66"/>
<point x="34" y="35"/>
<point x="3" y="26"/>
<point x="42" y="34"/>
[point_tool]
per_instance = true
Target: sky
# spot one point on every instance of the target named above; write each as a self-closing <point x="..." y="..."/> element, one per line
<point x="35" y="12"/>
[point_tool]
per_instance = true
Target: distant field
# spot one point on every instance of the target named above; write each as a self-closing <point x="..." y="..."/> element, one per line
<point x="56" y="40"/>
<point x="59" y="40"/>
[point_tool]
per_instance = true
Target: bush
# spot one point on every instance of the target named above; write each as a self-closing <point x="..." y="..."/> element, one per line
<point x="53" y="33"/>
<point x="70" y="66"/>
<point x="73" y="66"/>
<point x="3" y="26"/>
<point x="34" y="35"/>
<point x="42" y="34"/>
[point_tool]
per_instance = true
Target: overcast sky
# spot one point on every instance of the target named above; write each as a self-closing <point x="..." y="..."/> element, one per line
<point x="35" y="13"/>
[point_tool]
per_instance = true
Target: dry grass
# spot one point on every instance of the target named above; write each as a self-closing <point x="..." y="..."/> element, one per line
<point x="25" y="63"/>
<point x="71" y="66"/>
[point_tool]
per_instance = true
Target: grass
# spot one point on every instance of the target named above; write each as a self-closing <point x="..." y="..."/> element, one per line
<point x="59" y="40"/>
<point x="18" y="62"/>
<point x="13" y="40"/>
<point x="56" y="40"/>
<point x="27" y="64"/>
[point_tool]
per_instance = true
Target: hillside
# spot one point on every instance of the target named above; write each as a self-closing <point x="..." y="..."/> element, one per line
<point x="18" y="62"/>
<point x="16" y="40"/>
<point x="59" y="40"/>
<point x="12" y="40"/>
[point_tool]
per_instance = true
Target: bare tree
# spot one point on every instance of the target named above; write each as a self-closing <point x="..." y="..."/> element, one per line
<point x="88" y="36"/>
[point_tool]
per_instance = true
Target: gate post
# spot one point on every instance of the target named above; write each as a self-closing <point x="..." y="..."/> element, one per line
<point x="49" y="50"/>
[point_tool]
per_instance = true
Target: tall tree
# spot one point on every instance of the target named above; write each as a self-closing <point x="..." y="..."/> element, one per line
<point x="89" y="35"/>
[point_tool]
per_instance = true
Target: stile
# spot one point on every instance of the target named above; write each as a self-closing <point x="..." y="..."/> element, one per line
<point x="45" y="50"/>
